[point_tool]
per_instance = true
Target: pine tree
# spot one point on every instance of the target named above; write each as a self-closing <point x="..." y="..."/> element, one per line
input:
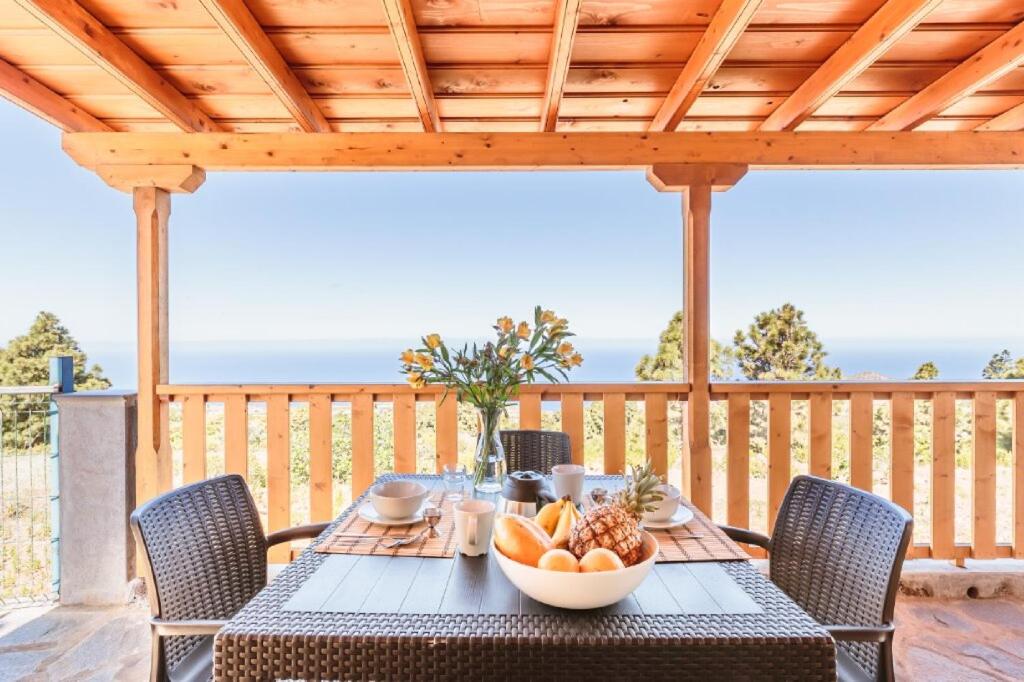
<point x="26" y="362"/>
<point x="926" y="372"/>
<point x="667" y="363"/>
<point x="779" y="345"/>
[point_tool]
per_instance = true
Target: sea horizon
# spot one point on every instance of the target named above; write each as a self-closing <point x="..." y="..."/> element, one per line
<point x="606" y="360"/>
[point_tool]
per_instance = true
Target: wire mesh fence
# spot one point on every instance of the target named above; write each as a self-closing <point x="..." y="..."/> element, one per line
<point x="25" y="499"/>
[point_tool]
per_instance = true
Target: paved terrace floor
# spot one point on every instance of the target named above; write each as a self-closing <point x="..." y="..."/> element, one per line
<point x="937" y="639"/>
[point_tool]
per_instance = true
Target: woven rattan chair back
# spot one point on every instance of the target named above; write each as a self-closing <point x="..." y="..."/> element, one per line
<point x="838" y="551"/>
<point x="535" y="450"/>
<point x="206" y="553"/>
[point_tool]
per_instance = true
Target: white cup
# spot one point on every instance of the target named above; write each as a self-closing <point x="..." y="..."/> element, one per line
<point x="666" y="507"/>
<point x="474" y="521"/>
<point x="568" y="480"/>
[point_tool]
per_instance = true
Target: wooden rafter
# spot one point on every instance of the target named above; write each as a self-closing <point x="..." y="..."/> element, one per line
<point x="567" y="16"/>
<point x="235" y="19"/>
<point x="1008" y="120"/>
<point x="96" y="41"/>
<point x="725" y="28"/>
<point x="891" y="22"/>
<point x="27" y="92"/>
<point x="470" y="151"/>
<point x="402" y="23"/>
<point x="988" y="64"/>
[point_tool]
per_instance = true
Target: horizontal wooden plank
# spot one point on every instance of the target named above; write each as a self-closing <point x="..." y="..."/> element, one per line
<point x="372" y="151"/>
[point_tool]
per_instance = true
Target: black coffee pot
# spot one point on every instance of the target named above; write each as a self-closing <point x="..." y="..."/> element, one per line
<point x="524" y="493"/>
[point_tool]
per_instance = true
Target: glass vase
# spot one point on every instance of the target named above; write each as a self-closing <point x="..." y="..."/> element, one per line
<point x="489" y="467"/>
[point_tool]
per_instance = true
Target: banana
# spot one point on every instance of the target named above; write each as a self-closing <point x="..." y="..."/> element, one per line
<point x="549" y="515"/>
<point x="566" y="520"/>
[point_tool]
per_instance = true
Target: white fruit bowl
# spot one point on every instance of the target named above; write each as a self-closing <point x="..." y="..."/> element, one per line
<point x="579" y="590"/>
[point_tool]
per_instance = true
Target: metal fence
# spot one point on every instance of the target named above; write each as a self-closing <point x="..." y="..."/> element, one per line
<point x="29" y="488"/>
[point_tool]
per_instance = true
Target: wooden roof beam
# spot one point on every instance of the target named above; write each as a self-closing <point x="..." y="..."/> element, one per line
<point x="567" y="17"/>
<point x="30" y="94"/>
<point x="235" y="19"/>
<point x="176" y="178"/>
<point x="891" y="22"/>
<point x="988" y="64"/>
<point x="676" y="177"/>
<point x="1008" y="120"/>
<point x="402" y="23"/>
<point x="530" y="151"/>
<point x="67" y="19"/>
<point x="725" y="28"/>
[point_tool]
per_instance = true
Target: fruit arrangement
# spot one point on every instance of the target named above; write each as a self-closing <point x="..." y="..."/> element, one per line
<point x="605" y="538"/>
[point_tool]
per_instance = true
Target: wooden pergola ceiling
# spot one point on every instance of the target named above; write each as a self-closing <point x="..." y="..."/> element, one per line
<point x="516" y="65"/>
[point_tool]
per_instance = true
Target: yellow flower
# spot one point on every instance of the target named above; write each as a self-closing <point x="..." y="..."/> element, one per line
<point x="576" y="359"/>
<point x="503" y="352"/>
<point x="415" y="380"/>
<point x="527" y="362"/>
<point x="505" y="324"/>
<point x="433" y="341"/>
<point x="524" y="331"/>
<point x="565" y="348"/>
<point x="408" y="357"/>
<point x="424" y="361"/>
<point x="548" y="316"/>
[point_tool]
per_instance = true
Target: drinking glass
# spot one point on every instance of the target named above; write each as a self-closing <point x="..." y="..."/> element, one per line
<point x="454" y="476"/>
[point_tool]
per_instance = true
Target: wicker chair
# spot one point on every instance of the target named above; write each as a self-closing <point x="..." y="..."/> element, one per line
<point x="535" y="450"/>
<point x="838" y="551"/>
<point x="205" y="552"/>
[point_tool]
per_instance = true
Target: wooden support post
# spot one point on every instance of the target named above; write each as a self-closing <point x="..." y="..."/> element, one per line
<point x="697" y="457"/>
<point x="153" y="453"/>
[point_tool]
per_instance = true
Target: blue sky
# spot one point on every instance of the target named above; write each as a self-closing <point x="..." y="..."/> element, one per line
<point x="902" y="256"/>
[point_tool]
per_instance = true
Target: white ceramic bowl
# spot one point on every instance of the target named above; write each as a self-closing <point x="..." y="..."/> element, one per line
<point x="579" y="590"/>
<point x="397" y="499"/>
<point x="667" y="506"/>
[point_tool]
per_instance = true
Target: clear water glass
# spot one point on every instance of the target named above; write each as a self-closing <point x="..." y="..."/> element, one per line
<point x="454" y="476"/>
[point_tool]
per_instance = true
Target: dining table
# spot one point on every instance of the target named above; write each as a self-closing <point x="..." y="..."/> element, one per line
<point x="330" y="616"/>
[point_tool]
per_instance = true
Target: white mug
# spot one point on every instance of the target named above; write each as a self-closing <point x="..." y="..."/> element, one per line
<point x="474" y="521"/>
<point x="568" y="480"/>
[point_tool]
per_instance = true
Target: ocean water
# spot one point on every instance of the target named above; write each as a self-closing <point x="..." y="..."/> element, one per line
<point x="377" y="361"/>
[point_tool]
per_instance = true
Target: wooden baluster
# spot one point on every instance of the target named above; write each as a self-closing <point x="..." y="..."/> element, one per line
<point x="1017" y="443"/>
<point x="405" y="433"/>
<point x="739" y="460"/>
<point x="194" y="438"/>
<point x="779" y="452"/>
<point x="572" y="424"/>
<point x="901" y="462"/>
<point x="820" y="405"/>
<point x="321" y="497"/>
<point x="236" y="435"/>
<point x="983" y="528"/>
<point x="656" y="431"/>
<point x="362" y="443"/>
<point x="614" y="433"/>
<point x="943" y="474"/>
<point x="861" y="440"/>
<point x="529" y="411"/>
<point x="279" y="484"/>
<point x="446" y="441"/>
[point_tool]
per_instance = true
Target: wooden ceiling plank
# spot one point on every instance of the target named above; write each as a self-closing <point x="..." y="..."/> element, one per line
<point x="988" y="64"/>
<point x="238" y="23"/>
<point x="582" y="151"/>
<point x="726" y="27"/>
<point x="890" y="23"/>
<point x="30" y="94"/>
<point x="81" y="29"/>
<point x="402" y="24"/>
<point x="567" y="17"/>
<point x="1010" y="120"/>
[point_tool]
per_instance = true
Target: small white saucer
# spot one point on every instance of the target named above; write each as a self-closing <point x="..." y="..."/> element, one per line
<point x="368" y="513"/>
<point x="682" y="515"/>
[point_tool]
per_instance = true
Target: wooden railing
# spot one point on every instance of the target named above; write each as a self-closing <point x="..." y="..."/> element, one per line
<point x="913" y="411"/>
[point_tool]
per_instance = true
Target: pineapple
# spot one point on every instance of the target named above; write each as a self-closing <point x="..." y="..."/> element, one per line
<point x="616" y="525"/>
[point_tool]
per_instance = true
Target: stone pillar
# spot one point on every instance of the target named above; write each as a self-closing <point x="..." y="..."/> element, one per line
<point x="97" y="439"/>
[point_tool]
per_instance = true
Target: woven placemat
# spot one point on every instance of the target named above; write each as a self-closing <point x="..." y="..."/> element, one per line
<point x="440" y="547"/>
<point x="697" y="540"/>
